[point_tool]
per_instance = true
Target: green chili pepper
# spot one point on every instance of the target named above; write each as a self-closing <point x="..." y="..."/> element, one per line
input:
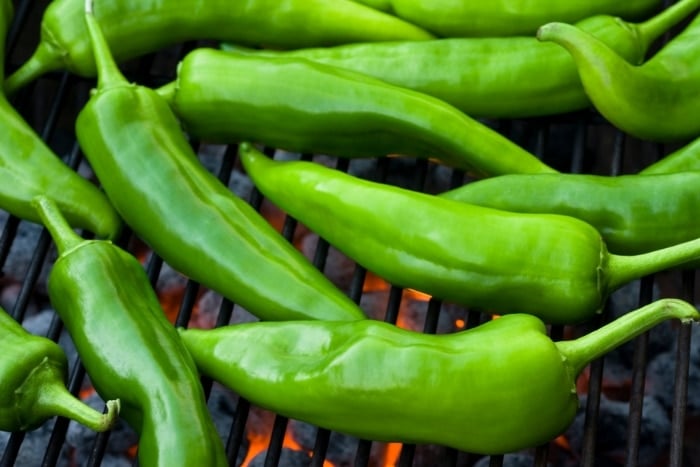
<point x="500" y="387"/>
<point x="633" y="213"/>
<point x="190" y="218"/>
<point x="499" y="77"/>
<point x="33" y="372"/>
<point x="653" y="101"/>
<point x="299" y="105"/>
<point x="556" y="267"/>
<point x="687" y="158"/>
<point x="128" y="347"/>
<point x="450" y="18"/>
<point x="28" y="167"/>
<point x="133" y="28"/>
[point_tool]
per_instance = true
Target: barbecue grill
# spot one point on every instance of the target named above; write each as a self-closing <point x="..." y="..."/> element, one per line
<point x="637" y="409"/>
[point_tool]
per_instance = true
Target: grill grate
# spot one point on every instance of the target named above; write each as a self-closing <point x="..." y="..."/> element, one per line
<point x="580" y="142"/>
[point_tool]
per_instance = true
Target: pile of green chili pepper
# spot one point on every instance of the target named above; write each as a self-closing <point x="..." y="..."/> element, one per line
<point x="28" y="168"/>
<point x="154" y="180"/>
<point x="133" y="28"/>
<point x="498" y="77"/>
<point x="541" y="246"/>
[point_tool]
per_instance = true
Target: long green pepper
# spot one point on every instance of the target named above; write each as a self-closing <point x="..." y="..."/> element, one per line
<point x="457" y="18"/>
<point x="298" y="105"/>
<point x="153" y="178"/>
<point x="28" y="168"/>
<point x="633" y="213"/>
<point x="657" y="100"/>
<point x="129" y="348"/>
<point x="33" y="373"/>
<point x="135" y="27"/>
<point x="500" y="387"/>
<point x="555" y="267"/>
<point x="498" y="77"/>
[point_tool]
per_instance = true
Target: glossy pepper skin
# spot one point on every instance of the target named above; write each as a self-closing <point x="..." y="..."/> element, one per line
<point x="555" y="267"/>
<point x="136" y="27"/>
<point x="28" y="168"/>
<point x="653" y="101"/>
<point x="633" y="213"/>
<point x="128" y="347"/>
<point x="148" y="170"/>
<point x="498" y="77"/>
<point x="33" y="372"/>
<point x="497" y="388"/>
<point x="460" y="18"/>
<point x="298" y="105"/>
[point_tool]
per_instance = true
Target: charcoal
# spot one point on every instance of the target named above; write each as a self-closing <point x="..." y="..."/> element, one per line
<point x="661" y="338"/>
<point x="611" y="434"/>
<point x="341" y="448"/>
<point x="208" y="307"/>
<point x="211" y="156"/>
<point x="222" y="404"/>
<point x="22" y="250"/>
<point x="517" y="459"/>
<point x="9" y="294"/>
<point x="33" y="448"/>
<point x="338" y="268"/>
<point x="169" y="279"/>
<point x="661" y="374"/>
<point x="110" y="460"/>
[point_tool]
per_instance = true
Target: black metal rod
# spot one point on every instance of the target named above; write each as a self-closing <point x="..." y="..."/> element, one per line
<point x="634" y="426"/>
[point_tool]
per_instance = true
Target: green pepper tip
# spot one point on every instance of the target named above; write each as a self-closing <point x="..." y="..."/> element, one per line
<point x="114" y="407"/>
<point x="544" y="32"/>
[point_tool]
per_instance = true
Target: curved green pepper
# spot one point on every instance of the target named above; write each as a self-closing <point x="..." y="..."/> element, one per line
<point x="686" y="158"/>
<point x="633" y="213"/>
<point x="459" y="18"/>
<point x="128" y="347"/>
<point x="498" y="77"/>
<point x="153" y="178"/>
<point x="555" y="267"/>
<point x="28" y="168"/>
<point x="500" y="387"/>
<point x="298" y="105"/>
<point x="33" y="389"/>
<point x="136" y="27"/>
<point x="654" y="101"/>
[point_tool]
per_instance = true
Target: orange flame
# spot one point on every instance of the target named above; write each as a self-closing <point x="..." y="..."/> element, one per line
<point x="258" y="442"/>
<point x="392" y="453"/>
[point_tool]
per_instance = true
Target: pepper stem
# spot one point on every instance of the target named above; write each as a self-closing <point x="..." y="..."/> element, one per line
<point x="62" y="233"/>
<point x="44" y="59"/>
<point x="580" y="352"/>
<point x="623" y="269"/>
<point x="653" y="28"/>
<point x="108" y="73"/>
<point x="44" y="395"/>
<point x="168" y="91"/>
